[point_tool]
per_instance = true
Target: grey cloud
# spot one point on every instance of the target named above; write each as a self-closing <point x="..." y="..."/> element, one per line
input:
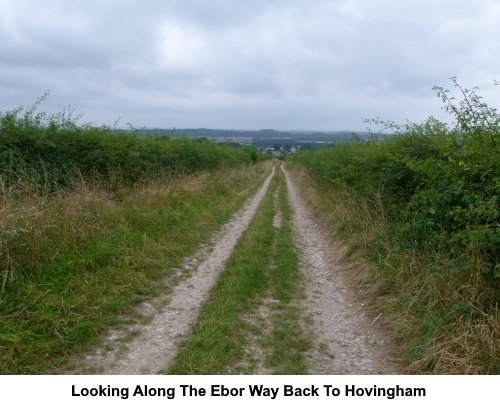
<point x="318" y="64"/>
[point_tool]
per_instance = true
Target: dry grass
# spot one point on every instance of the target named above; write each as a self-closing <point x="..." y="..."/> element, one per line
<point x="417" y="302"/>
<point x="72" y="263"/>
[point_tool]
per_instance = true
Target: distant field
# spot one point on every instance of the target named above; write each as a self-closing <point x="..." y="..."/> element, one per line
<point x="263" y="136"/>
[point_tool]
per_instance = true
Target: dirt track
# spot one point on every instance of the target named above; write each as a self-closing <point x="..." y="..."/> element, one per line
<point x="345" y="337"/>
<point x="346" y="340"/>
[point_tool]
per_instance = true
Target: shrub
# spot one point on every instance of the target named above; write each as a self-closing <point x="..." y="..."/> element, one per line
<point x="438" y="185"/>
<point x="48" y="152"/>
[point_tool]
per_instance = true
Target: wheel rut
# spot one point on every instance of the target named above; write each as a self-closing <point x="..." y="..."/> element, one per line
<point x="149" y="348"/>
<point x="345" y="339"/>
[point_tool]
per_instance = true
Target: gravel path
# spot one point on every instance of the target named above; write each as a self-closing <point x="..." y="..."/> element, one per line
<point x="346" y="336"/>
<point x="152" y="347"/>
<point x="346" y="340"/>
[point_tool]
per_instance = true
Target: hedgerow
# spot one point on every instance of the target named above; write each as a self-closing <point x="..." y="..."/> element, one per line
<point x="437" y="186"/>
<point x="93" y="221"/>
<point x="53" y="151"/>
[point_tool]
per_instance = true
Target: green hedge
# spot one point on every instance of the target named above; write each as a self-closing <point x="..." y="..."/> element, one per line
<point x="50" y="152"/>
<point x="438" y="183"/>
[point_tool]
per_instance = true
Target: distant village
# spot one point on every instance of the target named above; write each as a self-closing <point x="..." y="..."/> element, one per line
<point x="268" y="141"/>
<point x="277" y="151"/>
<point x="281" y="152"/>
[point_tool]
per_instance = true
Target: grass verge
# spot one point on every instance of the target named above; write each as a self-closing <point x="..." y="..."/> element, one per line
<point x="438" y="332"/>
<point x="77" y="262"/>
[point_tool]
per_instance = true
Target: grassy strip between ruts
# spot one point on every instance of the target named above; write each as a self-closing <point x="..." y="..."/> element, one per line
<point x="86" y="257"/>
<point x="288" y="341"/>
<point x="263" y="266"/>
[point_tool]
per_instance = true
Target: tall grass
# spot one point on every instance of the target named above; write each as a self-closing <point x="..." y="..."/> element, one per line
<point x="77" y="261"/>
<point x="92" y="221"/>
<point x="422" y="205"/>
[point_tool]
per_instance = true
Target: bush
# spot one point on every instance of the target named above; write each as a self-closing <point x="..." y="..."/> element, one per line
<point x="47" y="153"/>
<point x="438" y="186"/>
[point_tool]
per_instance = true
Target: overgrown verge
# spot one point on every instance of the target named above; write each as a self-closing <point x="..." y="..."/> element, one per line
<point x="85" y="232"/>
<point x="78" y="262"/>
<point x="422" y="206"/>
<point x="262" y="267"/>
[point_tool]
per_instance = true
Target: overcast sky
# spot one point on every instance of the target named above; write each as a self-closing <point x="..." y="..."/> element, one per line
<point x="241" y="64"/>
